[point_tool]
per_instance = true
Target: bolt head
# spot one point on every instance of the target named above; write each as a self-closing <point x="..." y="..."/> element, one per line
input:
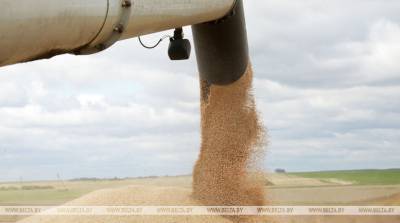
<point x="126" y="3"/>
<point x="119" y="28"/>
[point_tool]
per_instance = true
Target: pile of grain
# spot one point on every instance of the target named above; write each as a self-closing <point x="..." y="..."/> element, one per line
<point x="231" y="138"/>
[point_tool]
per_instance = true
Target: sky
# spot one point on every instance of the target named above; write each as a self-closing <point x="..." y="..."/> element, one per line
<point x="327" y="86"/>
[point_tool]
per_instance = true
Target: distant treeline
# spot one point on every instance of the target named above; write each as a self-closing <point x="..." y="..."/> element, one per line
<point x="118" y="178"/>
<point x="26" y="187"/>
<point x="97" y="179"/>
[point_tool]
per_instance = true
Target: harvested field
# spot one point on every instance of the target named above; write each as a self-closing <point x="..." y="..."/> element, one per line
<point x="149" y="195"/>
<point x="331" y="195"/>
<point x="361" y="177"/>
<point x="177" y="191"/>
<point x="135" y="195"/>
<point x="289" y="180"/>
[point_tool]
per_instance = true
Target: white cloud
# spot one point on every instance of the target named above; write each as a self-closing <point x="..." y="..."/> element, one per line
<point x="384" y="50"/>
<point x="327" y="84"/>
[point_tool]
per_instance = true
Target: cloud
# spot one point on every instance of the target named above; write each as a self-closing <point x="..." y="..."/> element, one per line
<point x="325" y="44"/>
<point x="327" y="86"/>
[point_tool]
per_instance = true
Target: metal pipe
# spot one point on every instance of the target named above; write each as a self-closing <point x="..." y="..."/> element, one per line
<point x="31" y="30"/>
<point x="222" y="48"/>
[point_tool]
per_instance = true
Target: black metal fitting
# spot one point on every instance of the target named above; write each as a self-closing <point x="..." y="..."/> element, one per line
<point x="179" y="48"/>
<point x="222" y="48"/>
<point x="126" y="3"/>
<point x="119" y="28"/>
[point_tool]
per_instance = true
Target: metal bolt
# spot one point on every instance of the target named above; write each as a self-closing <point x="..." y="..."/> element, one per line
<point x="119" y="28"/>
<point x="126" y="3"/>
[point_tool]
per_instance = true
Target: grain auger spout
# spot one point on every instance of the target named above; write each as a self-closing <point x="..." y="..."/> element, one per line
<point x="33" y="30"/>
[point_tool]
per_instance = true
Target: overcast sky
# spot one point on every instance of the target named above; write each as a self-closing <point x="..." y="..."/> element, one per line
<point x="327" y="83"/>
